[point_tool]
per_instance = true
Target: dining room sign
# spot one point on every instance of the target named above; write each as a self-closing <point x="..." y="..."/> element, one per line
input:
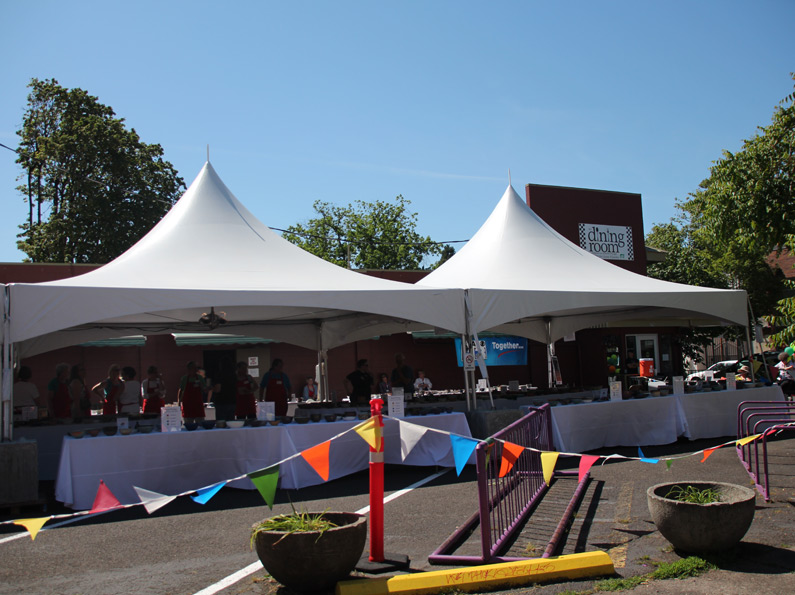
<point x="610" y="242"/>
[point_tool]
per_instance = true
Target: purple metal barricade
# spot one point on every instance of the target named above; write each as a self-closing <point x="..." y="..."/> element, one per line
<point x="504" y="502"/>
<point x="765" y="418"/>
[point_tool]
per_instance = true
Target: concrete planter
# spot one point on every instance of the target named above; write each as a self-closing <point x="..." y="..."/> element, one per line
<point x="310" y="561"/>
<point x="698" y="528"/>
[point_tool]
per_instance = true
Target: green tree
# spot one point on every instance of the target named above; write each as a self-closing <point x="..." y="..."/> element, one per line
<point x="93" y="187"/>
<point x="365" y="235"/>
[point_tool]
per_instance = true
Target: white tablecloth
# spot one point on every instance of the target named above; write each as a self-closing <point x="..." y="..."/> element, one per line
<point x="177" y="462"/>
<point x="653" y="420"/>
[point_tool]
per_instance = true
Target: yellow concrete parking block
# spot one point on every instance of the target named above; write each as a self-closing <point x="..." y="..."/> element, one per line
<point x="505" y="574"/>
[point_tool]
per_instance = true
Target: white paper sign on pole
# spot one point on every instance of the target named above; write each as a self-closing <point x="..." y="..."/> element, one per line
<point x="679" y="385"/>
<point x="615" y="390"/>
<point x="731" y="381"/>
<point x="395" y="406"/>
<point x="170" y="418"/>
<point x="266" y="410"/>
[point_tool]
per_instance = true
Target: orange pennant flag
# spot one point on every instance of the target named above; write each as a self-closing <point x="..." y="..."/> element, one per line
<point x="709" y="451"/>
<point x="586" y="462"/>
<point x="317" y="457"/>
<point x="548" y="460"/>
<point x="104" y="500"/>
<point x="370" y="432"/>
<point x="32" y="525"/>
<point x="510" y="454"/>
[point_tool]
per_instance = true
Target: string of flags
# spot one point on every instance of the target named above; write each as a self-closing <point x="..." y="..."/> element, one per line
<point x="266" y="480"/>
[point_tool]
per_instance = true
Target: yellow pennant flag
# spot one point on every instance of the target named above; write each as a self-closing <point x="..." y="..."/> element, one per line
<point x="370" y="432"/>
<point x="747" y="439"/>
<point x="548" y="460"/>
<point x="32" y="525"/>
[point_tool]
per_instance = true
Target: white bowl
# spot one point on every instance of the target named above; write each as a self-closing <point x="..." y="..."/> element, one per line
<point x="235" y="423"/>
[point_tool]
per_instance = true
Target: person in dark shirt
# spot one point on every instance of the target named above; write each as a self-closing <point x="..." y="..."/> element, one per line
<point x="403" y="375"/>
<point x="359" y="383"/>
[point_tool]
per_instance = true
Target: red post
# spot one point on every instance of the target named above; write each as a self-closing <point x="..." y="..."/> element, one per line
<point x="377" y="488"/>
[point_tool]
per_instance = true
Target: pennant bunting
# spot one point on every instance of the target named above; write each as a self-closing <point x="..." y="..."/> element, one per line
<point x="586" y="462"/>
<point x="709" y="451"/>
<point x="462" y="450"/>
<point x="644" y="459"/>
<point x="32" y="525"/>
<point x="668" y="463"/>
<point x="152" y="501"/>
<point x="317" y="457"/>
<point x="104" y="500"/>
<point x="747" y="439"/>
<point x="370" y="431"/>
<point x="265" y="481"/>
<point x="510" y="454"/>
<point x="203" y="495"/>
<point x="410" y="434"/>
<point x="548" y="461"/>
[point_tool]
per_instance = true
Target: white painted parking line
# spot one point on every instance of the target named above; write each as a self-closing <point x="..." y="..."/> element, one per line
<point x="252" y="568"/>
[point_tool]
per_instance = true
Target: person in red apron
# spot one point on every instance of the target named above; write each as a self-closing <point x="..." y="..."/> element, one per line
<point x="109" y="390"/>
<point x="60" y="401"/>
<point x="245" y="393"/>
<point x="192" y="388"/>
<point x="81" y="396"/>
<point x="275" y="386"/>
<point x="153" y="390"/>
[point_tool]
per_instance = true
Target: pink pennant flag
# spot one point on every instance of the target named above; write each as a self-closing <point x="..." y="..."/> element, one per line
<point x="104" y="500"/>
<point x="586" y="462"/>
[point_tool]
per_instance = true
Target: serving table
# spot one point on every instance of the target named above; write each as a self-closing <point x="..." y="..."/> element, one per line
<point x="652" y="420"/>
<point x="176" y="462"/>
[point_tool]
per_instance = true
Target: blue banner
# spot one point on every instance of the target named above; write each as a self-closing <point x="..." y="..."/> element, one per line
<point x="499" y="351"/>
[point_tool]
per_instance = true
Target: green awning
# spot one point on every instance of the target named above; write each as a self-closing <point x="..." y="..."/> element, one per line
<point x="131" y="341"/>
<point x="186" y="339"/>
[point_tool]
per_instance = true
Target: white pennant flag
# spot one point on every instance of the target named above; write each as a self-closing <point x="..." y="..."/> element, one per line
<point x="152" y="501"/>
<point x="410" y="434"/>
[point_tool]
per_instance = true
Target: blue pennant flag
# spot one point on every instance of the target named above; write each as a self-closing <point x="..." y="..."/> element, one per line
<point x="462" y="450"/>
<point x="203" y="495"/>
<point x="644" y="459"/>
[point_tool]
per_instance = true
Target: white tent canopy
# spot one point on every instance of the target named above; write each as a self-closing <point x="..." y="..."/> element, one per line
<point x="210" y="251"/>
<point x="524" y="278"/>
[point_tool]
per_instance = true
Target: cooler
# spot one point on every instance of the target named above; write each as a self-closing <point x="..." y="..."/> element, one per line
<point x="647" y="367"/>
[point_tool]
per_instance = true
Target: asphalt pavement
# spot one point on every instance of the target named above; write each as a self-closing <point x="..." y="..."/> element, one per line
<point x="186" y="547"/>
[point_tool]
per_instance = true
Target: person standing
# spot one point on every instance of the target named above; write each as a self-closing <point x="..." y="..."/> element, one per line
<point x="359" y="383"/>
<point x="191" y="393"/>
<point x="81" y="396"/>
<point x="403" y="375"/>
<point x="245" y="393"/>
<point x="59" y="401"/>
<point x="275" y="386"/>
<point x="785" y="379"/>
<point x="130" y="399"/>
<point x="153" y="390"/>
<point x="109" y="390"/>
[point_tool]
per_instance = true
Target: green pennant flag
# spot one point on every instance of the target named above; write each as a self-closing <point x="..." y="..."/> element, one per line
<point x="265" y="481"/>
<point x="668" y="463"/>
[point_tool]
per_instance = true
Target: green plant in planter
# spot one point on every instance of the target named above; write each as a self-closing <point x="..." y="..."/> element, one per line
<point x="295" y="522"/>
<point x="689" y="493"/>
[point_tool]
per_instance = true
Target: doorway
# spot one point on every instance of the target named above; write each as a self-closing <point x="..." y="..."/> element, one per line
<point x="645" y="347"/>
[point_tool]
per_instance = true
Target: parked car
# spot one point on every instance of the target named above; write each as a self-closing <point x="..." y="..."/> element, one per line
<point x="718" y="370"/>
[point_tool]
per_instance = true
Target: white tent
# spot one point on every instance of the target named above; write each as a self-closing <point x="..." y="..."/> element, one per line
<point x="523" y="278"/>
<point x="210" y="251"/>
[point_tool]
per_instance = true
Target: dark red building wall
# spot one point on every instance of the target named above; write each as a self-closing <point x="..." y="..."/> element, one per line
<point x="565" y="208"/>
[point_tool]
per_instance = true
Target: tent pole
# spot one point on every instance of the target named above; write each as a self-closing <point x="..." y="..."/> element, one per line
<point x="549" y="353"/>
<point x="464" y="369"/>
<point x="6" y="373"/>
<point x="751" y="345"/>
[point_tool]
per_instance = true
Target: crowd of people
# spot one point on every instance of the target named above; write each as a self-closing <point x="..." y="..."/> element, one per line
<point x="232" y="391"/>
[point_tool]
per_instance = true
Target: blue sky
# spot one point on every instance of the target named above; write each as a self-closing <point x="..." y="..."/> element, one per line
<point x="435" y="100"/>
